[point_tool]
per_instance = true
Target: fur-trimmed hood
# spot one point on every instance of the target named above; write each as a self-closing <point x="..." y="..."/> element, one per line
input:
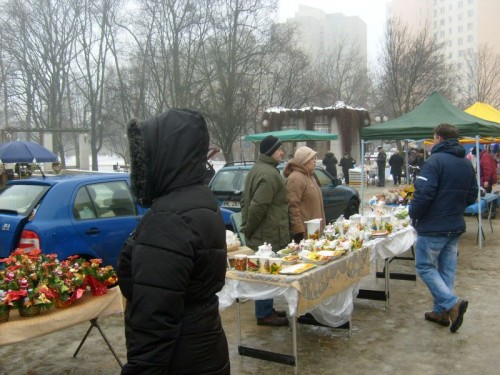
<point x="167" y="151"/>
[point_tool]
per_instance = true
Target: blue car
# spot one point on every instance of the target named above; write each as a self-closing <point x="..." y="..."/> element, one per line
<point x="229" y="182"/>
<point x="89" y="215"/>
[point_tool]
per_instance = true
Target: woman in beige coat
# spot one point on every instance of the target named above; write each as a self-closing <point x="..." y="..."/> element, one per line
<point x="305" y="201"/>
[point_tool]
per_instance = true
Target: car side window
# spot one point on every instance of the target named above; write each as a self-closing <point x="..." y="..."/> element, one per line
<point x="323" y="178"/>
<point x="122" y="202"/>
<point x="83" y="208"/>
<point x="104" y="200"/>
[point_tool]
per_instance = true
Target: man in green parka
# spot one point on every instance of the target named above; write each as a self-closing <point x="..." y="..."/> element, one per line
<point x="264" y="211"/>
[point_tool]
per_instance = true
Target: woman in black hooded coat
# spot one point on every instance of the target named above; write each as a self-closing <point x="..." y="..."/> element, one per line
<point x="175" y="263"/>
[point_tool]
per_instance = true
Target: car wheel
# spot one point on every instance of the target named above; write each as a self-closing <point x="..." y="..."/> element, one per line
<point x="352" y="208"/>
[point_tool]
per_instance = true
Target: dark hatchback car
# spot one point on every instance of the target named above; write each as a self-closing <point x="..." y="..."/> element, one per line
<point x="89" y="215"/>
<point x="229" y="182"/>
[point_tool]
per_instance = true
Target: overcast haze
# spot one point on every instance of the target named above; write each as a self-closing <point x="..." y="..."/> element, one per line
<point x="372" y="12"/>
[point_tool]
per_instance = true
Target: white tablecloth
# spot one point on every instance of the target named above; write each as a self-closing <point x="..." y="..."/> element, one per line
<point x="394" y="244"/>
<point x="326" y="291"/>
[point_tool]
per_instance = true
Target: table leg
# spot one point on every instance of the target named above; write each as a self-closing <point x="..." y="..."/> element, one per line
<point x="290" y="360"/>
<point x="490" y="209"/>
<point x="94" y="323"/>
<point x="480" y="231"/>
<point x="387" y="279"/>
<point x="238" y="320"/>
<point x="294" y="338"/>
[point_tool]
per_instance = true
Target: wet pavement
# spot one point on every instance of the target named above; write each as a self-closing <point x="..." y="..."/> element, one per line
<point x="396" y="340"/>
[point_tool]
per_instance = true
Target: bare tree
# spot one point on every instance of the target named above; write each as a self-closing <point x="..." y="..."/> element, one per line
<point x="41" y="38"/>
<point x="344" y="74"/>
<point x="231" y="67"/>
<point x="288" y="78"/>
<point x="96" y="25"/>
<point x="411" y="68"/>
<point x="482" y="82"/>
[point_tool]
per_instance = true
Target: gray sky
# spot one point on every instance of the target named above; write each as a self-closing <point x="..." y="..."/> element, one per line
<point x="372" y="12"/>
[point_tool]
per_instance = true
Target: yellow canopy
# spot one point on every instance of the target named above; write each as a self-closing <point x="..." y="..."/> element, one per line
<point x="484" y="111"/>
<point x="483" y="140"/>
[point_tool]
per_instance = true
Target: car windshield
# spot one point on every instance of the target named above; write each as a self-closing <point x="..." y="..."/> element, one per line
<point x="20" y="198"/>
<point x="229" y="180"/>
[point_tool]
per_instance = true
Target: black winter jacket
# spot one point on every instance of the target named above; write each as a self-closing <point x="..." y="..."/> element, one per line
<point x="446" y="185"/>
<point x="177" y="262"/>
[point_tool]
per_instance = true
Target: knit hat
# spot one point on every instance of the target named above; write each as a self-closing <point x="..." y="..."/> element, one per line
<point x="269" y="145"/>
<point x="304" y="154"/>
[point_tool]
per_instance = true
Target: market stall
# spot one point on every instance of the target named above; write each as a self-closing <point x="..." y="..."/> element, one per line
<point x="303" y="292"/>
<point x="421" y="121"/>
<point x="89" y="308"/>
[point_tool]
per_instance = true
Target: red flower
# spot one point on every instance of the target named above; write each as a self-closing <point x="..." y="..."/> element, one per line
<point x="15" y="295"/>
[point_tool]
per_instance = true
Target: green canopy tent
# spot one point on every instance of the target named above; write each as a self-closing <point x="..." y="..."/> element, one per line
<point x="420" y="123"/>
<point x="293" y="135"/>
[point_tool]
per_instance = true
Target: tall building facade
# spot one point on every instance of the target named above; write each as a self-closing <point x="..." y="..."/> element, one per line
<point x="320" y="32"/>
<point x="462" y="26"/>
<point x="318" y="35"/>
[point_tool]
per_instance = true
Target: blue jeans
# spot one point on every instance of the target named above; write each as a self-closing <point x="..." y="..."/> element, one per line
<point x="263" y="308"/>
<point x="436" y="264"/>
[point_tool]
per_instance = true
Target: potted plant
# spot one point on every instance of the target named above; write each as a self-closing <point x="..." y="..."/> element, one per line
<point x="66" y="280"/>
<point x="4" y="307"/>
<point x="97" y="277"/>
<point x="25" y="282"/>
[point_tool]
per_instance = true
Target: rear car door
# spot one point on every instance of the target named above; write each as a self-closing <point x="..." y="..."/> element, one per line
<point x="104" y="214"/>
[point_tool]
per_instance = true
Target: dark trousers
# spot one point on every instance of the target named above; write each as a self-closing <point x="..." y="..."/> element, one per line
<point x="397" y="178"/>
<point x="381" y="174"/>
<point x="346" y="175"/>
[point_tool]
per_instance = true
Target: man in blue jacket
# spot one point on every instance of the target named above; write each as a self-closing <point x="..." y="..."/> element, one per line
<point x="445" y="186"/>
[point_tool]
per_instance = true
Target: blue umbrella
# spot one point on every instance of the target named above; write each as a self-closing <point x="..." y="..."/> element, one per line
<point x="25" y="152"/>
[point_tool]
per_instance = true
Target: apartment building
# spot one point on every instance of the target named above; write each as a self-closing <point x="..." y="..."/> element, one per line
<point x="462" y="25"/>
<point x="320" y="32"/>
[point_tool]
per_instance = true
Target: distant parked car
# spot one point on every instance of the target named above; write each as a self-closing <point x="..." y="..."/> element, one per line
<point x="229" y="182"/>
<point x="89" y="215"/>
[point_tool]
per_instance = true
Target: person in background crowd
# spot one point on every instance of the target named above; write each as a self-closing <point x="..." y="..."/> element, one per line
<point x="264" y="215"/>
<point x="396" y="162"/>
<point x="488" y="175"/>
<point x="347" y="162"/>
<point x="381" y="162"/>
<point x="171" y="271"/>
<point x="210" y="172"/>
<point x="305" y="201"/>
<point x="488" y="170"/>
<point x="495" y="150"/>
<point x="472" y="159"/>
<point x="330" y="163"/>
<point x="446" y="185"/>
<point x="412" y="156"/>
<point x="421" y="158"/>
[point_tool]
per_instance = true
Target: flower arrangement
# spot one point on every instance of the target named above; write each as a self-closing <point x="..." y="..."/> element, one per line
<point x="402" y="196"/>
<point x="36" y="280"/>
<point x="25" y="281"/>
<point x="97" y="277"/>
<point x="67" y="280"/>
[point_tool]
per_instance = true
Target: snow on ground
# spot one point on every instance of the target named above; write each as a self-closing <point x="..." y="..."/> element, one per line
<point x="106" y="163"/>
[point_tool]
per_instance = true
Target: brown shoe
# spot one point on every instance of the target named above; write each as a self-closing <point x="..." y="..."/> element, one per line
<point x="281" y="314"/>
<point x="273" y="321"/>
<point x="456" y="314"/>
<point x="435" y="317"/>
